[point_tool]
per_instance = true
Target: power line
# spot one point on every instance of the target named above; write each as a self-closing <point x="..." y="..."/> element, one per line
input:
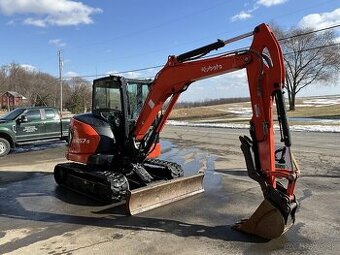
<point x="314" y="48"/>
<point x="221" y="53"/>
<point x="116" y="73"/>
<point x="286" y="53"/>
<point x="309" y="32"/>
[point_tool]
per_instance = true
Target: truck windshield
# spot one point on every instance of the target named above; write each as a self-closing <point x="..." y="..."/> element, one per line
<point x="13" y="114"/>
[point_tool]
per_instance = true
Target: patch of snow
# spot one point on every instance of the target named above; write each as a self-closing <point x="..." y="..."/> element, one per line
<point x="331" y="121"/>
<point x="299" y="128"/>
<point x="219" y="125"/>
<point x="315" y="128"/>
<point x="304" y="105"/>
<point x="322" y="101"/>
<point x="244" y="111"/>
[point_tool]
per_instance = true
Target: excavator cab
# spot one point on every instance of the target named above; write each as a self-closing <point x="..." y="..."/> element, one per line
<point x="119" y="101"/>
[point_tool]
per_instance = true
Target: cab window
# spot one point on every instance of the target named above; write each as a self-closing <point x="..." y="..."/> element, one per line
<point x="137" y="94"/>
<point x="50" y="114"/>
<point x="33" y="115"/>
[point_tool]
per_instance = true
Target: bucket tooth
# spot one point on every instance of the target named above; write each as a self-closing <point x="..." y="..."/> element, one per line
<point x="162" y="193"/>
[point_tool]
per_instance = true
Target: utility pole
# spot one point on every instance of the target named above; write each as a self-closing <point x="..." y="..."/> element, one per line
<point x="60" y="65"/>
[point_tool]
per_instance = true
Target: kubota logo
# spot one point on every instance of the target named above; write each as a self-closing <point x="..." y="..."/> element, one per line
<point x="207" y="69"/>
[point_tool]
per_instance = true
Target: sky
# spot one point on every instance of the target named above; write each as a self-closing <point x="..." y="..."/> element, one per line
<point x="101" y="37"/>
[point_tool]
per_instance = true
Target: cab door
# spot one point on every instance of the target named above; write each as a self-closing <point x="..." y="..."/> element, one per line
<point x="30" y="127"/>
<point x="52" y="124"/>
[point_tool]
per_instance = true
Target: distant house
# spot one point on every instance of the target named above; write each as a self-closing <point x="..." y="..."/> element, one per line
<point x="11" y="99"/>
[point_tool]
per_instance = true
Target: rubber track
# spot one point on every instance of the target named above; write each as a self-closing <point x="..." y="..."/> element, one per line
<point x="104" y="186"/>
<point x="175" y="170"/>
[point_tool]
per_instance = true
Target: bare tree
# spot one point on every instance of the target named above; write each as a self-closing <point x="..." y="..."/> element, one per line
<point x="79" y="96"/>
<point x="2" y="79"/>
<point x="310" y="57"/>
<point x="36" y="86"/>
<point x="43" y="87"/>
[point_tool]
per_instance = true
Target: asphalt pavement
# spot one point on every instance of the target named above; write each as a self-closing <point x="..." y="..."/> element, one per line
<point x="38" y="217"/>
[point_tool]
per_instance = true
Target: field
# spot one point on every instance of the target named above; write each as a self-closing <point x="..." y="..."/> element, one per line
<point x="311" y="110"/>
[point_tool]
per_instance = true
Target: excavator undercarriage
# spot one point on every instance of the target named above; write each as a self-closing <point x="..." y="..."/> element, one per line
<point x="115" y="185"/>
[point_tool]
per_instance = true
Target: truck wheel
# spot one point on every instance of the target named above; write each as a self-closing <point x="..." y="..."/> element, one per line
<point x="5" y="147"/>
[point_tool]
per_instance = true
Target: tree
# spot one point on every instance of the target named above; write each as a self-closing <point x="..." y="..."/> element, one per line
<point x="79" y="97"/>
<point x="39" y="88"/>
<point x="309" y="57"/>
<point x="3" y="79"/>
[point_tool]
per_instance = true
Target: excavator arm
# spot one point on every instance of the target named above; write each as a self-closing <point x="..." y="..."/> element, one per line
<point x="264" y="65"/>
<point x="265" y="70"/>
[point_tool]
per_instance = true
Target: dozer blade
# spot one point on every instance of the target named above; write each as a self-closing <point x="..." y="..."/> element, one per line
<point x="266" y="222"/>
<point x="162" y="193"/>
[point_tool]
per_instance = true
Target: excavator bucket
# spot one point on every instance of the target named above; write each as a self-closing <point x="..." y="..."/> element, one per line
<point x="162" y="193"/>
<point x="266" y="222"/>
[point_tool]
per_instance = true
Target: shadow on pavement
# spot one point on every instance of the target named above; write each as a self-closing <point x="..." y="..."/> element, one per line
<point x="38" y="202"/>
<point x="6" y="177"/>
<point x="39" y="146"/>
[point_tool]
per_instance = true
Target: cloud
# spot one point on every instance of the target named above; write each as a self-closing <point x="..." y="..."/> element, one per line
<point x="247" y="14"/>
<point x="269" y="3"/>
<point x="29" y="68"/>
<point x="57" y="42"/>
<point x="337" y="40"/>
<point x="243" y="15"/>
<point x="35" y="22"/>
<point x="321" y="20"/>
<point x="44" y="13"/>
<point x="71" y="74"/>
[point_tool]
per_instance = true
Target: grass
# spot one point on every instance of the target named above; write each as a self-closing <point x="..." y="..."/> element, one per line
<point x="221" y="114"/>
<point x="205" y="112"/>
<point x="322" y="112"/>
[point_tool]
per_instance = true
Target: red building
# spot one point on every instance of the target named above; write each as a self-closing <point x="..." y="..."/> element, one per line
<point x="11" y="99"/>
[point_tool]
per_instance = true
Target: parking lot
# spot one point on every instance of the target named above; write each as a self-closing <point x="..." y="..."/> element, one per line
<point x="38" y="217"/>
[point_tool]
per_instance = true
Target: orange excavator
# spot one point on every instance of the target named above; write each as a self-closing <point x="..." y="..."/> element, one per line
<point x="114" y="148"/>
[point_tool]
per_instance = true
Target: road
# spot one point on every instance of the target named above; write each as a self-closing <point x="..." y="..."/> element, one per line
<point x="37" y="217"/>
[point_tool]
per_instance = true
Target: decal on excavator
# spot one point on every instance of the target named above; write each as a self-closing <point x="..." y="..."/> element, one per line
<point x="207" y="69"/>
